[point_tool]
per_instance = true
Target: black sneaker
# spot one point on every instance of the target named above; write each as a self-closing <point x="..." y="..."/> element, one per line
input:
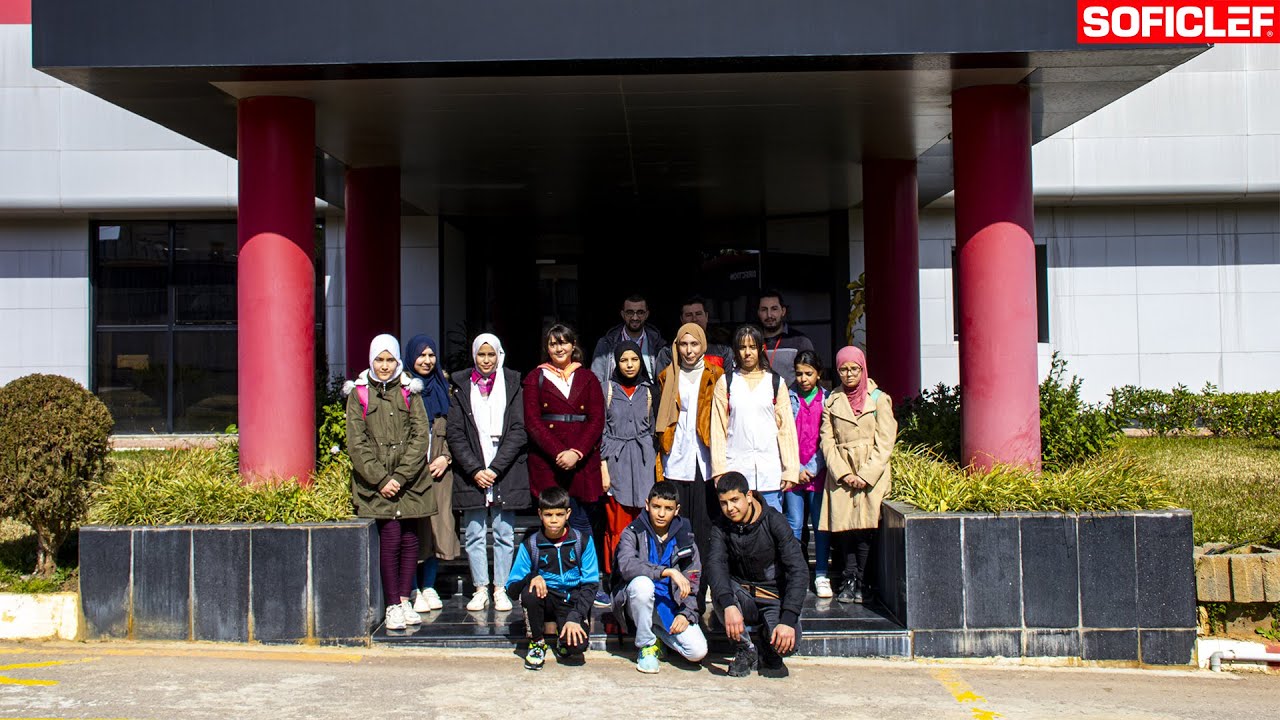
<point x="744" y="661"/>
<point x="773" y="668"/>
<point x="536" y="657"/>
<point x="852" y="593"/>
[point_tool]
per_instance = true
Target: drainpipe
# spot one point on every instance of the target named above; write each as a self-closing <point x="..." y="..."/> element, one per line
<point x="1215" y="660"/>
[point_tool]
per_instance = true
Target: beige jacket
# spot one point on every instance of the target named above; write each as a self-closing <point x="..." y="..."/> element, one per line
<point x="856" y="444"/>
<point x="788" y="446"/>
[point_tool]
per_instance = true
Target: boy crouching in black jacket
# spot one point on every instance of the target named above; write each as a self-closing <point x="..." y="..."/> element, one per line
<point x="657" y="581"/>
<point x="758" y="579"/>
<point x="555" y="574"/>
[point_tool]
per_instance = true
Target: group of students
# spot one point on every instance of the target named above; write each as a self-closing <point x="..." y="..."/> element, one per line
<point x="669" y="474"/>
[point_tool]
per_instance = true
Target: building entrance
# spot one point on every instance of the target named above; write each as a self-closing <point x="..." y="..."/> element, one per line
<point x="516" y="281"/>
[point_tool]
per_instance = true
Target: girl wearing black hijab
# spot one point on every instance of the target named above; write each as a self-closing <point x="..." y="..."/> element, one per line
<point x="628" y="455"/>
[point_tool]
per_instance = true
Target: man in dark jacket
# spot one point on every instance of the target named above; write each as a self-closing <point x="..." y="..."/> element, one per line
<point x="758" y="578"/>
<point x="696" y="310"/>
<point x="634" y="327"/>
<point x="657" y="581"/>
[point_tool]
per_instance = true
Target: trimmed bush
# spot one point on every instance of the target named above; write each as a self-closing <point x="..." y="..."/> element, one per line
<point x="54" y="451"/>
<point x="932" y="420"/>
<point x="1071" y="430"/>
<point x="202" y="486"/>
<point x="1229" y="415"/>
<point x="1109" y="482"/>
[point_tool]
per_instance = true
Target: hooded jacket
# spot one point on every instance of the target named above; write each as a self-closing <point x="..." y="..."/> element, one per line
<point x="633" y="562"/>
<point x="386" y="441"/>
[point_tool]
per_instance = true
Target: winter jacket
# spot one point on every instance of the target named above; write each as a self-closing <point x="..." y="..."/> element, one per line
<point x="602" y="361"/>
<point x="763" y="553"/>
<point x="511" y="491"/>
<point x="856" y="444"/>
<point x="549" y="437"/>
<point x="567" y="565"/>
<point x="388" y="441"/>
<point x="633" y="562"/>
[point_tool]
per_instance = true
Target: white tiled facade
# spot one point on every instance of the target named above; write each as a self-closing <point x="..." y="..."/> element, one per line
<point x="1160" y="214"/>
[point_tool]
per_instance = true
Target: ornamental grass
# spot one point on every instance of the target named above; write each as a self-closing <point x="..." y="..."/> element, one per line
<point x="1110" y="482"/>
<point x="202" y="486"/>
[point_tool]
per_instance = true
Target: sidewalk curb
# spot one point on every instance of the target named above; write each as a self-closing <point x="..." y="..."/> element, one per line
<point x="39" y="616"/>
<point x="1208" y="646"/>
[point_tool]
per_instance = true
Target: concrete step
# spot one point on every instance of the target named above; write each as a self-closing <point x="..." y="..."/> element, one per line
<point x="828" y="629"/>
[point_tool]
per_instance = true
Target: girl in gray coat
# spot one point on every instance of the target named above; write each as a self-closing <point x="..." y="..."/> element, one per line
<point x="628" y="455"/>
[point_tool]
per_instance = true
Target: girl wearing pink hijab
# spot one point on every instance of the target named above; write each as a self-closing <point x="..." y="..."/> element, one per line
<point x="857" y="436"/>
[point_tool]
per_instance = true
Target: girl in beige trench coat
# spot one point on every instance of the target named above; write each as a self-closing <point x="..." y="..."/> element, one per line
<point x="858" y="432"/>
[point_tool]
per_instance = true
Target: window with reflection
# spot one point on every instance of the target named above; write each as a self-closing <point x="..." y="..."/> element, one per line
<point x="164" y="341"/>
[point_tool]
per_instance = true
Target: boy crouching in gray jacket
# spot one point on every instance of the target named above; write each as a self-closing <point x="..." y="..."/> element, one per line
<point x="657" y="581"/>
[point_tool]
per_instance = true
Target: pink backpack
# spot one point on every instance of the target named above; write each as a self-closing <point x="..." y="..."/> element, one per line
<point x="362" y="393"/>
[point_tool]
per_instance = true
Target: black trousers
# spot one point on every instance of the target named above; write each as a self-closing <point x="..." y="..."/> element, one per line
<point x="555" y="605"/>
<point x="760" y="615"/>
<point x="698" y="501"/>
<point x="854" y="547"/>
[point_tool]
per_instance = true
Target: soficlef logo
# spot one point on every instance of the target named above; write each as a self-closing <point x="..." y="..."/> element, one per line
<point x="1211" y="21"/>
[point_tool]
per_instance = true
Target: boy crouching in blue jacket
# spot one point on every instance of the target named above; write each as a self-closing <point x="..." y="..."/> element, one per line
<point x="555" y="574"/>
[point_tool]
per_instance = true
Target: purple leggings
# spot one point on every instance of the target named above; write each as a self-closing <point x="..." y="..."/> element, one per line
<point x="398" y="561"/>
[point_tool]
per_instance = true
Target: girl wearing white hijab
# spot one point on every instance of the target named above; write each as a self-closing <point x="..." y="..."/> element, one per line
<point x="387" y="438"/>
<point x="490" y="479"/>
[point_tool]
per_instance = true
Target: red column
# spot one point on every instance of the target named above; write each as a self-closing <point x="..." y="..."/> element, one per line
<point x="275" y="293"/>
<point x="991" y="141"/>
<point x="372" y="260"/>
<point x="891" y="236"/>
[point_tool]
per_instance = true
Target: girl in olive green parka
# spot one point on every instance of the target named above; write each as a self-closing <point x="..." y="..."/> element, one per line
<point x="387" y="438"/>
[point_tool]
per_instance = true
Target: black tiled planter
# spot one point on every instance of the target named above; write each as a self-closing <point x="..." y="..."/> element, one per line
<point x="1116" y="586"/>
<point x="232" y="583"/>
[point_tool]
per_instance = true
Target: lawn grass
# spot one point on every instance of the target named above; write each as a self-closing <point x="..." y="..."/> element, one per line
<point x="1232" y="486"/>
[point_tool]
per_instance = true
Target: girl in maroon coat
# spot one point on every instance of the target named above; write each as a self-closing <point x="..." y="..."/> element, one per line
<point x="564" y="418"/>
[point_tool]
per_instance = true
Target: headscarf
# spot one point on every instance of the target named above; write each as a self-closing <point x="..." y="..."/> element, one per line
<point x="435" y="389"/>
<point x="641" y="377"/>
<point x="391" y="345"/>
<point x="669" y="404"/>
<point x="494" y="381"/>
<point x="858" y="394"/>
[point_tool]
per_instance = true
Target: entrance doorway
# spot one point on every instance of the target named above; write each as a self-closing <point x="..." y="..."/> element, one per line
<point x="516" y="281"/>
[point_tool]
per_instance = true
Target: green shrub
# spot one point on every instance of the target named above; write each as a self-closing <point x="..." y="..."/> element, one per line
<point x="202" y="486"/>
<point x="54" y="451"/>
<point x="1109" y="482"/>
<point x="932" y="420"/>
<point x="1241" y="415"/>
<point x="331" y="432"/>
<point x="1071" y="430"/>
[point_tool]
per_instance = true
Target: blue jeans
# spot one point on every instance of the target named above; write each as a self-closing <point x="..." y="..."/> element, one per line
<point x="477" y="523"/>
<point x="794" y="503"/>
<point x="773" y="498"/>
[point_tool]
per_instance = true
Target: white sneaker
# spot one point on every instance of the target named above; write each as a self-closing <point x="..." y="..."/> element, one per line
<point x="431" y="599"/>
<point x="395" y="617"/>
<point x="479" y="600"/>
<point x="822" y="586"/>
<point x="419" y="601"/>
<point x="501" y="602"/>
<point x="411" y="616"/>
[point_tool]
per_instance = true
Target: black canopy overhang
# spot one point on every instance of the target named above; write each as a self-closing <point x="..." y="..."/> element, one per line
<point x="492" y="111"/>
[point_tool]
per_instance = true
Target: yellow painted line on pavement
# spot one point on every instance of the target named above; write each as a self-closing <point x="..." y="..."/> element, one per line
<point x="964" y="694"/>
<point x="319" y="656"/>
<point x="6" y="680"/>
